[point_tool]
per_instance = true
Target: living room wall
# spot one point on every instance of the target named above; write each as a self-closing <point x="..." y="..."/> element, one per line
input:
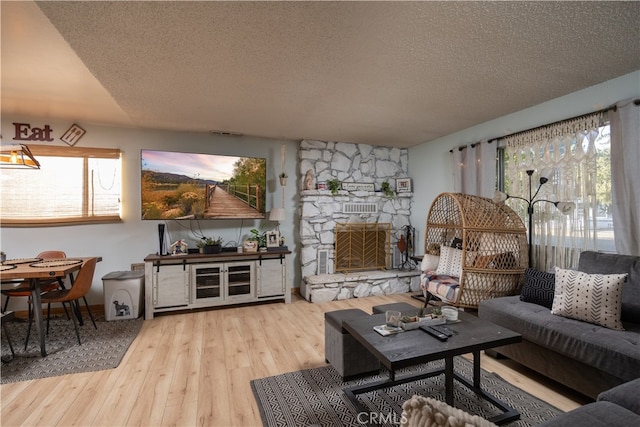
<point x="430" y="164"/>
<point x="130" y="241"/>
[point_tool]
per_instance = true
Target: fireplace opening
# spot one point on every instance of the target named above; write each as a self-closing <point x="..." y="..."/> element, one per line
<point x="362" y="246"/>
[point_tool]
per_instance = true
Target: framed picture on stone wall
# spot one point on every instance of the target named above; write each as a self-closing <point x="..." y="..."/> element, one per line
<point x="403" y="185"/>
<point x="273" y="239"/>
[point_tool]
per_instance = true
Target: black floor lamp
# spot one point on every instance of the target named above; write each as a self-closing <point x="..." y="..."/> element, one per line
<point x="565" y="207"/>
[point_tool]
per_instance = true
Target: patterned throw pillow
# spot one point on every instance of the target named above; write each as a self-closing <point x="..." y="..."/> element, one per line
<point x="450" y="262"/>
<point x="538" y="287"/>
<point x="593" y="298"/>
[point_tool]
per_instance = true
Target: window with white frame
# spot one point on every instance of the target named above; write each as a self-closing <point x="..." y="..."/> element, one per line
<point x="73" y="185"/>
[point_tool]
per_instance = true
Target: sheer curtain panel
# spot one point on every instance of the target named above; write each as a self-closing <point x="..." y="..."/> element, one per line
<point x="474" y="169"/>
<point x="625" y="176"/>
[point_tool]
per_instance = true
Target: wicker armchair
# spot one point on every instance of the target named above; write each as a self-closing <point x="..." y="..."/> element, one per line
<point x="493" y="241"/>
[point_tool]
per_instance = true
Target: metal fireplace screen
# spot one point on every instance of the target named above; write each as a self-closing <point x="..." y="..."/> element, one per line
<point x="362" y="246"/>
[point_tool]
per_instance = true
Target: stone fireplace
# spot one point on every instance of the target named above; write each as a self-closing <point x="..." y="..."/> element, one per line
<point x="322" y="215"/>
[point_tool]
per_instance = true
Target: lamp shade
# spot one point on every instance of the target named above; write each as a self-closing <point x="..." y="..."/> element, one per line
<point x="276" y="214"/>
<point x="499" y="196"/>
<point x="566" y="207"/>
<point x="17" y="156"/>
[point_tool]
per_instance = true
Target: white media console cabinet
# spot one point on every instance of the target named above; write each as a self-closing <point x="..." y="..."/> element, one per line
<point x="183" y="282"/>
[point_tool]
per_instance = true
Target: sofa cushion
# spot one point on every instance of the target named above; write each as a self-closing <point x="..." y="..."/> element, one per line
<point x="596" y="262"/>
<point x="442" y="286"/>
<point x="614" y="352"/>
<point x="625" y="395"/>
<point x="595" y="415"/>
<point x="593" y="298"/>
<point x="429" y="262"/>
<point x="538" y="287"/>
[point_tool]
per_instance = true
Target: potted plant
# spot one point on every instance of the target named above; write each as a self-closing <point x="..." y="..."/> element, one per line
<point x="386" y="189"/>
<point x="210" y="245"/>
<point x="333" y="185"/>
<point x="283" y="178"/>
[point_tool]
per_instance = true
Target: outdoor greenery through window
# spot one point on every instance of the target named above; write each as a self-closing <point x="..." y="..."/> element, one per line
<point x="73" y="185"/>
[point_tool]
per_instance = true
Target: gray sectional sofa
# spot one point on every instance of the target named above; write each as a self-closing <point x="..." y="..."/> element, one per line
<point x="619" y="406"/>
<point x="583" y="356"/>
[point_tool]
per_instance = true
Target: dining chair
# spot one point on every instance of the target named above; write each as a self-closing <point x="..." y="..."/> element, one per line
<point x="23" y="288"/>
<point x="78" y="290"/>
<point x="6" y="317"/>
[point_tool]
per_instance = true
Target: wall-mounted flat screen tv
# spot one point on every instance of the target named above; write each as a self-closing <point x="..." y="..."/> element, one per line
<point x="177" y="185"/>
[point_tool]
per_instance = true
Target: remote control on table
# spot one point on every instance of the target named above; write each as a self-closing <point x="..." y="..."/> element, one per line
<point x="431" y="331"/>
<point x="443" y="329"/>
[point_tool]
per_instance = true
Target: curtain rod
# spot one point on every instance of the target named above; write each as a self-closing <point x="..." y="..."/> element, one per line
<point x="604" y="110"/>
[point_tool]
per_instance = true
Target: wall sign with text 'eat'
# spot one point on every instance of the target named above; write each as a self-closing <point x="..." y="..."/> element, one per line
<point x="24" y="132"/>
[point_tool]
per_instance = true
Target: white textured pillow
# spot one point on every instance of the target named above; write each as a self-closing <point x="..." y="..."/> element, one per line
<point x="593" y="298"/>
<point x="429" y="262"/>
<point x="420" y="411"/>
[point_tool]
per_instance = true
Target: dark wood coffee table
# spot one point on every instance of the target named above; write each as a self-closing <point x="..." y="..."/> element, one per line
<point x="472" y="335"/>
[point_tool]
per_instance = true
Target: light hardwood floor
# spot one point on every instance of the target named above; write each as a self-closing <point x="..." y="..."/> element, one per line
<point x="194" y="369"/>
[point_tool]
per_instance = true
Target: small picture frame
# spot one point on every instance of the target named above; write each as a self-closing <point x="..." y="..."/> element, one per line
<point x="273" y="239"/>
<point x="403" y="185"/>
<point x="321" y="186"/>
<point x="73" y="135"/>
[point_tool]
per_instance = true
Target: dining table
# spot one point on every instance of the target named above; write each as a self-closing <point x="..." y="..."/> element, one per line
<point x="37" y="271"/>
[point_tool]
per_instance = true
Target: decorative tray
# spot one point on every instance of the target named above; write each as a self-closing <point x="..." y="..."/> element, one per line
<point x="423" y="321"/>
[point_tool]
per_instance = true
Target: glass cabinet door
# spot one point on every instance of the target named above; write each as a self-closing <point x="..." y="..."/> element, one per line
<point x="207" y="282"/>
<point x="240" y="277"/>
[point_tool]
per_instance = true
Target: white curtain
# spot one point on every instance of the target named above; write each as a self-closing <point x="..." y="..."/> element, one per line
<point x="567" y="149"/>
<point x="474" y="169"/>
<point x="625" y="177"/>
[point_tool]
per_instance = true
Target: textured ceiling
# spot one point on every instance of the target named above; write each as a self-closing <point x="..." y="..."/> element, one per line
<point x="381" y="73"/>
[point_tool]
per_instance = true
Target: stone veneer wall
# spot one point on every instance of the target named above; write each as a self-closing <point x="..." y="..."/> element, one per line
<point x="320" y="210"/>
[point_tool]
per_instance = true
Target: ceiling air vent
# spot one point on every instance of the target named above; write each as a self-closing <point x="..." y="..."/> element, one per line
<point x="359" y="208"/>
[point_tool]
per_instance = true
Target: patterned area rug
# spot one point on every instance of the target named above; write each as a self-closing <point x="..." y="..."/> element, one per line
<point x="314" y="397"/>
<point x="101" y="348"/>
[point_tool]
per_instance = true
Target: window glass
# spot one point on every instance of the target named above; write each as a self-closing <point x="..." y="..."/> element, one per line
<point x="71" y="186"/>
